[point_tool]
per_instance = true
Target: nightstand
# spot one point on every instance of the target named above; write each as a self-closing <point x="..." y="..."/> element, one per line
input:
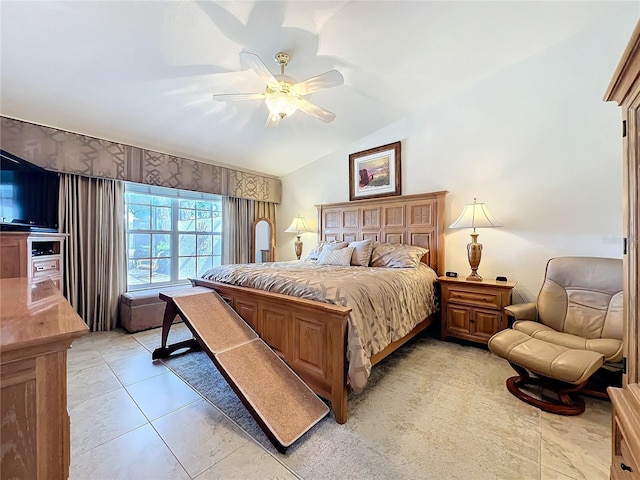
<point x="473" y="310"/>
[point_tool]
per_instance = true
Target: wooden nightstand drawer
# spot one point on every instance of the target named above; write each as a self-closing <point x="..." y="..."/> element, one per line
<point x="475" y="298"/>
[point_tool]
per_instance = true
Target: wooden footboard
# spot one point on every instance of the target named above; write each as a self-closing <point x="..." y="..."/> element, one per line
<point x="310" y="336"/>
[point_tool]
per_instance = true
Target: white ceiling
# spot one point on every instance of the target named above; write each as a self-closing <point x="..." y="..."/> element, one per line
<point x="143" y="73"/>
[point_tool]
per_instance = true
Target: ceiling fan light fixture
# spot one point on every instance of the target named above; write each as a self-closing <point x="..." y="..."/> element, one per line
<point x="284" y="95"/>
<point x="281" y="104"/>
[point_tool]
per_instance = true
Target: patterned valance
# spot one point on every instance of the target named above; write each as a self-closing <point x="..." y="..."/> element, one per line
<point x="68" y="152"/>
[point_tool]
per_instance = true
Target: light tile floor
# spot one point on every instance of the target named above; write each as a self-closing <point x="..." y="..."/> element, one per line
<point x="132" y="418"/>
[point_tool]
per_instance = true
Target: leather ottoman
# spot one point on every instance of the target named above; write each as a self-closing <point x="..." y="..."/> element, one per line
<point x="558" y="364"/>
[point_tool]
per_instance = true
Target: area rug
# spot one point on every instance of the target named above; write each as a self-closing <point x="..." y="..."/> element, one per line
<point x="432" y="410"/>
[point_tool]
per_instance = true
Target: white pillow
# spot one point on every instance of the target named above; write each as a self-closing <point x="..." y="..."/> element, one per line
<point x="340" y="256"/>
<point x="362" y="253"/>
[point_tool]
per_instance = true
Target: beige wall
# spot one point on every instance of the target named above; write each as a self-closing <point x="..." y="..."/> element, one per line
<point x="535" y="142"/>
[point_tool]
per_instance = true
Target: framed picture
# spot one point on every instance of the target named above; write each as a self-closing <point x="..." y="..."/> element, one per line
<point x="375" y="172"/>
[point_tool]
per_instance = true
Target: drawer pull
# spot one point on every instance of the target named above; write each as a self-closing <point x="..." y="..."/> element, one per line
<point x="40" y="268"/>
<point x="626" y="467"/>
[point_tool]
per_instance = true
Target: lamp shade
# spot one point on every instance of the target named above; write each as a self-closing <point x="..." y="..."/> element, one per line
<point x="298" y="226"/>
<point x="475" y="215"/>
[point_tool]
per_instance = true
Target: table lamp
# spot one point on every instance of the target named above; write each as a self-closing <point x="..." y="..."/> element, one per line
<point x="298" y="226"/>
<point x="475" y="215"/>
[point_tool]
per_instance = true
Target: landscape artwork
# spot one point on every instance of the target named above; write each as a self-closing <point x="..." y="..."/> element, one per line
<point x="375" y="172"/>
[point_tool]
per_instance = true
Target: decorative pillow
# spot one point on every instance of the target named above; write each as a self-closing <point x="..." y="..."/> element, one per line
<point x="313" y="254"/>
<point x="361" y="253"/>
<point x="334" y="246"/>
<point x="396" y="255"/>
<point x="340" y="256"/>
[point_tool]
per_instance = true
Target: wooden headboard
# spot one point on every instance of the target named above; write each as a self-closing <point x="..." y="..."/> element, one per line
<point x="413" y="219"/>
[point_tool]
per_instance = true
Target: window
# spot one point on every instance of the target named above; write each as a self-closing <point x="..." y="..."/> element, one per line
<point x="172" y="235"/>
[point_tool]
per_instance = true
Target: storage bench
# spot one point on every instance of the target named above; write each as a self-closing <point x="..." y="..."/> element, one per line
<point x="143" y="309"/>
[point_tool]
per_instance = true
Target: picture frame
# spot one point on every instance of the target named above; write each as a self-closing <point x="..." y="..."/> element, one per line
<point x="375" y="172"/>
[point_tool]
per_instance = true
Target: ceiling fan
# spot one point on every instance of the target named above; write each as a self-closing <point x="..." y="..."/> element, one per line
<point x="283" y="95"/>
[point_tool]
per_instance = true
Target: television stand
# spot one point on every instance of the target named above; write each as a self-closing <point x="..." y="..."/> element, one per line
<point x="35" y="255"/>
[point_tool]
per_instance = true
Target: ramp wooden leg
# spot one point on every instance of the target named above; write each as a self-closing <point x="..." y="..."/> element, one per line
<point x="170" y="312"/>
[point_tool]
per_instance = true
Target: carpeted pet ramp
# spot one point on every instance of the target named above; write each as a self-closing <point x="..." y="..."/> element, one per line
<point x="282" y="404"/>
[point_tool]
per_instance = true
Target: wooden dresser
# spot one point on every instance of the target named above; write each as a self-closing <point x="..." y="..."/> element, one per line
<point x="37" y="326"/>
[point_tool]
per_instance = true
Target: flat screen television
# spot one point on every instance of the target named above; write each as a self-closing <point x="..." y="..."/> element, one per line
<point x="28" y="196"/>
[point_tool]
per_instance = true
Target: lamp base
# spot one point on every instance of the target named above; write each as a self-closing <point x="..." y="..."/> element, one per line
<point x="474" y="251"/>
<point x="298" y="245"/>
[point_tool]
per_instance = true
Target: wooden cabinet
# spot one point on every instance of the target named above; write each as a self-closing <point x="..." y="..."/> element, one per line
<point x="473" y="310"/>
<point x="625" y="90"/>
<point x="625" y="439"/>
<point x="37" y="326"/>
<point x="32" y="255"/>
<point x="13" y="255"/>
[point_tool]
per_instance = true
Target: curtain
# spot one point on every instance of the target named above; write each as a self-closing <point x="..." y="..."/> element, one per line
<point x="238" y="215"/>
<point x="237" y="220"/>
<point x="95" y="157"/>
<point x="265" y="210"/>
<point x="92" y="214"/>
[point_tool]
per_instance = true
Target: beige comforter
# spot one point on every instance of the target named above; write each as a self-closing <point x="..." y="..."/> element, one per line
<point x="386" y="303"/>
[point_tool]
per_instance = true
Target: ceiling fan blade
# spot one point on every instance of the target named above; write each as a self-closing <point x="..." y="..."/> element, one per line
<point x="332" y="78"/>
<point x="273" y="120"/>
<point x="233" y="97"/>
<point x="254" y="62"/>
<point x="318" y="112"/>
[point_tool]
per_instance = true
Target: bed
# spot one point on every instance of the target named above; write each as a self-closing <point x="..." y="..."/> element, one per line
<point x="311" y="335"/>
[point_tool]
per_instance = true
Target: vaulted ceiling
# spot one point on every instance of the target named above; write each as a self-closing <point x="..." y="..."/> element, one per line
<point x="143" y="73"/>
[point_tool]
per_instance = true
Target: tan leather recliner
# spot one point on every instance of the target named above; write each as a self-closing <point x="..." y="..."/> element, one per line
<point x="574" y="327"/>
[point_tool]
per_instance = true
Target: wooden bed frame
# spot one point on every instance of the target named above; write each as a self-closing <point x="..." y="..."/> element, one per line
<point x="312" y="336"/>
